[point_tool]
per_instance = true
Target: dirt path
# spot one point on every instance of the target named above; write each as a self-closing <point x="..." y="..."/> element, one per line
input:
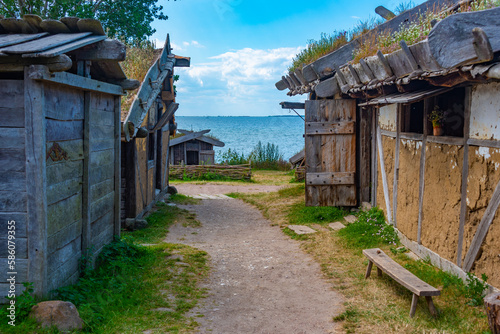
<point x="261" y="282"/>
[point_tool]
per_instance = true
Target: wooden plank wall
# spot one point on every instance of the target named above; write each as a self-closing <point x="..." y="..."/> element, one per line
<point x="64" y="112"/>
<point x="13" y="196"/>
<point x="102" y="152"/>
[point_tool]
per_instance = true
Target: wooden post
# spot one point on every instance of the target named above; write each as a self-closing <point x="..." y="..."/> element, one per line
<point x="421" y="181"/>
<point x="465" y="174"/>
<point x="492" y="305"/>
<point x="396" y="165"/>
<point x="369" y="269"/>
<point x="35" y="175"/>
<point x="384" y="176"/>
<point x="86" y="230"/>
<point x="117" y="110"/>
<point x="374" y="156"/>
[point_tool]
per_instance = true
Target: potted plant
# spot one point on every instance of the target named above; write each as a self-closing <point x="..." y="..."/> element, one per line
<point x="437" y="117"/>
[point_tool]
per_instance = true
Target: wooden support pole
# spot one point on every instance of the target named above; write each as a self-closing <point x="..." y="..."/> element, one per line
<point x="374" y="156"/>
<point x="396" y="164"/>
<point x="465" y="174"/>
<point x="86" y="228"/>
<point x="117" y="148"/>
<point x="421" y="180"/>
<point x="482" y="229"/>
<point x="384" y="175"/>
<point x="34" y="101"/>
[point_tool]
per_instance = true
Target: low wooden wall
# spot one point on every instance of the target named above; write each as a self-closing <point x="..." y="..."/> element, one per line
<point x="236" y="172"/>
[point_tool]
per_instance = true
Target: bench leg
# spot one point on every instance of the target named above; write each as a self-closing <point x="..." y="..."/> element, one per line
<point x="379" y="272"/>
<point x="369" y="269"/>
<point x="432" y="308"/>
<point x="413" y="308"/>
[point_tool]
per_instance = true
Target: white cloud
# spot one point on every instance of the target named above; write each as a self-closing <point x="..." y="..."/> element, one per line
<point x="175" y="47"/>
<point x="242" y="72"/>
<point x="356" y="17"/>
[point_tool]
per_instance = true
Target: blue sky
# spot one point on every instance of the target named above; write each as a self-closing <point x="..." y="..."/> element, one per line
<point x="240" y="48"/>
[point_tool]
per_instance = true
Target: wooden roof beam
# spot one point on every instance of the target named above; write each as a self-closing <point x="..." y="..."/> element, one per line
<point x="108" y="49"/>
<point x="293" y="105"/>
<point x="182" y="61"/>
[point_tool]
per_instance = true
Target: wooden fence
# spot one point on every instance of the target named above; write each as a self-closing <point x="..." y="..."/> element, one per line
<point x="234" y="172"/>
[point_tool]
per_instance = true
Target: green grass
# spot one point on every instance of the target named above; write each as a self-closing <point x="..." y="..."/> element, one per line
<point x="130" y="282"/>
<point x="299" y="214"/>
<point x="183" y="199"/>
<point x="159" y="222"/>
<point x="134" y="288"/>
<point x="369" y="231"/>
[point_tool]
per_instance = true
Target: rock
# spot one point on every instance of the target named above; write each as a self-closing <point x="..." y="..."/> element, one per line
<point x="171" y="190"/>
<point x="129" y="224"/>
<point x="163" y="309"/>
<point x="133" y="224"/>
<point x="140" y="224"/>
<point x="301" y="229"/>
<point x="336" y="226"/>
<point x="61" y="314"/>
<point x="350" y="219"/>
<point x="365" y="206"/>
<point x="412" y="256"/>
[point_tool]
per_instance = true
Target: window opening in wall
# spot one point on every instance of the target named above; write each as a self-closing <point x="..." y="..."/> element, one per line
<point x="151" y="146"/>
<point x="452" y="104"/>
<point x="412" y="117"/>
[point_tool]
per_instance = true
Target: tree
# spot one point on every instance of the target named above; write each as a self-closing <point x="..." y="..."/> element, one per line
<point x="128" y="20"/>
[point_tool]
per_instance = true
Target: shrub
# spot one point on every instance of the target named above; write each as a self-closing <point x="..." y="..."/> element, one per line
<point x="231" y="157"/>
<point x="268" y="157"/>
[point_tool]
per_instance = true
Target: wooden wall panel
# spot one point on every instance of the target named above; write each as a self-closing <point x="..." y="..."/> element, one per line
<point x="63" y="103"/>
<point x="11" y="117"/>
<point x="102" y="151"/>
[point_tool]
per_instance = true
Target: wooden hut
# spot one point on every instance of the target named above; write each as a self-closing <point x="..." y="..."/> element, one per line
<point x="369" y="138"/>
<point x="60" y="87"/>
<point x="193" y="148"/>
<point x="147" y="127"/>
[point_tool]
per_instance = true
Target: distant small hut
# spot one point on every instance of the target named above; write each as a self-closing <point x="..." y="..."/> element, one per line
<point x="193" y="148"/>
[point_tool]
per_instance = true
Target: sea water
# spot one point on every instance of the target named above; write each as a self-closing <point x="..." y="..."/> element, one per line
<point x="242" y="133"/>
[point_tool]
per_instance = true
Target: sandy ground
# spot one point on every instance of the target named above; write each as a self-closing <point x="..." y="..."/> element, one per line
<point x="260" y="282"/>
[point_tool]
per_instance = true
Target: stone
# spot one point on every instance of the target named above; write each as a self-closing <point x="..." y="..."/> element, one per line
<point x="133" y="224"/>
<point x="61" y="314"/>
<point x="301" y="229"/>
<point x="412" y="256"/>
<point x="140" y="224"/>
<point x="365" y="206"/>
<point x="171" y="190"/>
<point x="336" y="226"/>
<point x="129" y="223"/>
<point x="163" y="309"/>
<point x="350" y="219"/>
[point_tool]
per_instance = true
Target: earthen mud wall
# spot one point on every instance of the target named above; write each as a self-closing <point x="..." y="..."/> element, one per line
<point x="408" y="187"/>
<point x="484" y="175"/>
<point x="441" y="206"/>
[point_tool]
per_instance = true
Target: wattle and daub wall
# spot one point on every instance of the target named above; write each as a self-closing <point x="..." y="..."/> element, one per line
<point x="442" y="194"/>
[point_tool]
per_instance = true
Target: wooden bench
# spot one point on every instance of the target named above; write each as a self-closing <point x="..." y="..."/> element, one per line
<point x="403" y="277"/>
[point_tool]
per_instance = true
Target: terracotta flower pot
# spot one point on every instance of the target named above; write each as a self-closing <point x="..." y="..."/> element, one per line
<point x="437" y="130"/>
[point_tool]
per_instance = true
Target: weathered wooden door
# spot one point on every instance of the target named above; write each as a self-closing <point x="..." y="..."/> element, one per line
<point x="330" y="146"/>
